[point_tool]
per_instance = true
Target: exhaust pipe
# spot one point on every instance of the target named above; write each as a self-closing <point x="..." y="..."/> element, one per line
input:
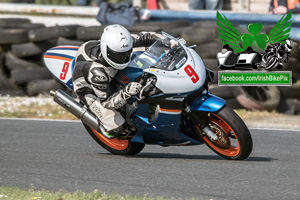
<point x="71" y="105"/>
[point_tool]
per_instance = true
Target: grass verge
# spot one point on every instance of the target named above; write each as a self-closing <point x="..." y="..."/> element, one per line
<point x="42" y="107"/>
<point x="12" y="193"/>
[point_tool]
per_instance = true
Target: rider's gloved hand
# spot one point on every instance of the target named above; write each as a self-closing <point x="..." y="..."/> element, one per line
<point x="170" y="42"/>
<point x="173" y="43"/>
<point x="182" y="41"/>
<point x="132" y="89"/>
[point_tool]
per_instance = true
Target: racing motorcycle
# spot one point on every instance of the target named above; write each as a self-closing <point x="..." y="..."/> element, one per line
<point x="175" y="83"/>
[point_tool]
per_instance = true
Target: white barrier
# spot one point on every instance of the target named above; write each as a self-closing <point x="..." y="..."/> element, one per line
<point x="55" y="20"/>
<point x="51" y="15"/>
<point x="49" y="9"/>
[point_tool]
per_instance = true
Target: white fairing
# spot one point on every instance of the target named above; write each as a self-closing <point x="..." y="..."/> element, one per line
<point x="184" y="79"/>
<point x="60" y="61"/>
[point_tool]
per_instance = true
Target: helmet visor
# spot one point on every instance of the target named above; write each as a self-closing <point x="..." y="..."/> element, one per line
<point x="119" y="57"/>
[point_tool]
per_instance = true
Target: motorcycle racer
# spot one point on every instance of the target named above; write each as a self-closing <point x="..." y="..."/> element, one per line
<point x="97" y="63"/>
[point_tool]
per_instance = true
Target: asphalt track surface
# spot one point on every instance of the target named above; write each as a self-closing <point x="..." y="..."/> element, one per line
<point x="60" y="155"/>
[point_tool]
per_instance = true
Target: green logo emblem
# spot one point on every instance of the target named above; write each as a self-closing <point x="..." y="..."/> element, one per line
<point x="229" y="35"/>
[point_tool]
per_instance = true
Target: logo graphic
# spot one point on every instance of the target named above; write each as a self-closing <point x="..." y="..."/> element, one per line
<point x="229" y="35"/>
<point x="124" y="46"/>
<point x="254" y="50"/>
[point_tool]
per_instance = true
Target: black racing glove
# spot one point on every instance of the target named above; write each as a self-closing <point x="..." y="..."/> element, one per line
<point x="131" y="89"/>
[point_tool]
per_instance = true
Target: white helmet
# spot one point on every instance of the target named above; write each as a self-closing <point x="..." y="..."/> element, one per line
<point x="116" y="46"/>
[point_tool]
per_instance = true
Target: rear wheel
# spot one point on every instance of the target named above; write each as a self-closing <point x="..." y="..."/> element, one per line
<point x="234" y="140"/>
<point x="115" y="146"/>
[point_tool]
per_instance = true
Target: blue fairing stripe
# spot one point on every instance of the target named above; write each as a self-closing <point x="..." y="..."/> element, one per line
<point x="59" y="55"/>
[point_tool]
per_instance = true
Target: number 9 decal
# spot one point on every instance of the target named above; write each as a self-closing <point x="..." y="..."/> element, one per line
<point x="64" y="71"/>
<point x="191" y="73"/>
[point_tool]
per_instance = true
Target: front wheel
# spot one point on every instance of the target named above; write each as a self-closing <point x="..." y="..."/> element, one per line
<point x="115" y="146"/>
<point x="234" y="140"/>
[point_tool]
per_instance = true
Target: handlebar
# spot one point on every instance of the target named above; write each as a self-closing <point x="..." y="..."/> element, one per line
<point x="140" y="96"/>
<point x="145" y="81"/>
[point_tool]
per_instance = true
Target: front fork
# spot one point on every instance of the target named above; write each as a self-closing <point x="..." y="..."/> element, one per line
<point x="203" y="125"/>
<point x="204" y="104"/>
<point x="207" y="131"/>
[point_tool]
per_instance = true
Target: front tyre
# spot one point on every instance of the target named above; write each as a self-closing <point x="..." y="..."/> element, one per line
<point x="234" y="140"/>
<point x="115" y="146"/>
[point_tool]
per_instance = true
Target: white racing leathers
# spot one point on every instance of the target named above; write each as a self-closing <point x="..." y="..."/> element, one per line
<point x="92" y="76"/>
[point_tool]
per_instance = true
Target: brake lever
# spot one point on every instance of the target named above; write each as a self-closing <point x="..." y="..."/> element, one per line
<point x="143" y="79"/>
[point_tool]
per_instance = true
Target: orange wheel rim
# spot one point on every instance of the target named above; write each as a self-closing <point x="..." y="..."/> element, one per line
<point x="114" y="143"/>
<point x="230" y="150"/>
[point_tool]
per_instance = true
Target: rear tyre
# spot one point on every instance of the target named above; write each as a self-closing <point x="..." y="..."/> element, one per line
<point x="234" y="140"/>
<point x="115" y="146"/>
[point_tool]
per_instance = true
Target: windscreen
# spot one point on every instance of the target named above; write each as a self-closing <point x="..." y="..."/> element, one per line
<point x="166" y="53"/>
